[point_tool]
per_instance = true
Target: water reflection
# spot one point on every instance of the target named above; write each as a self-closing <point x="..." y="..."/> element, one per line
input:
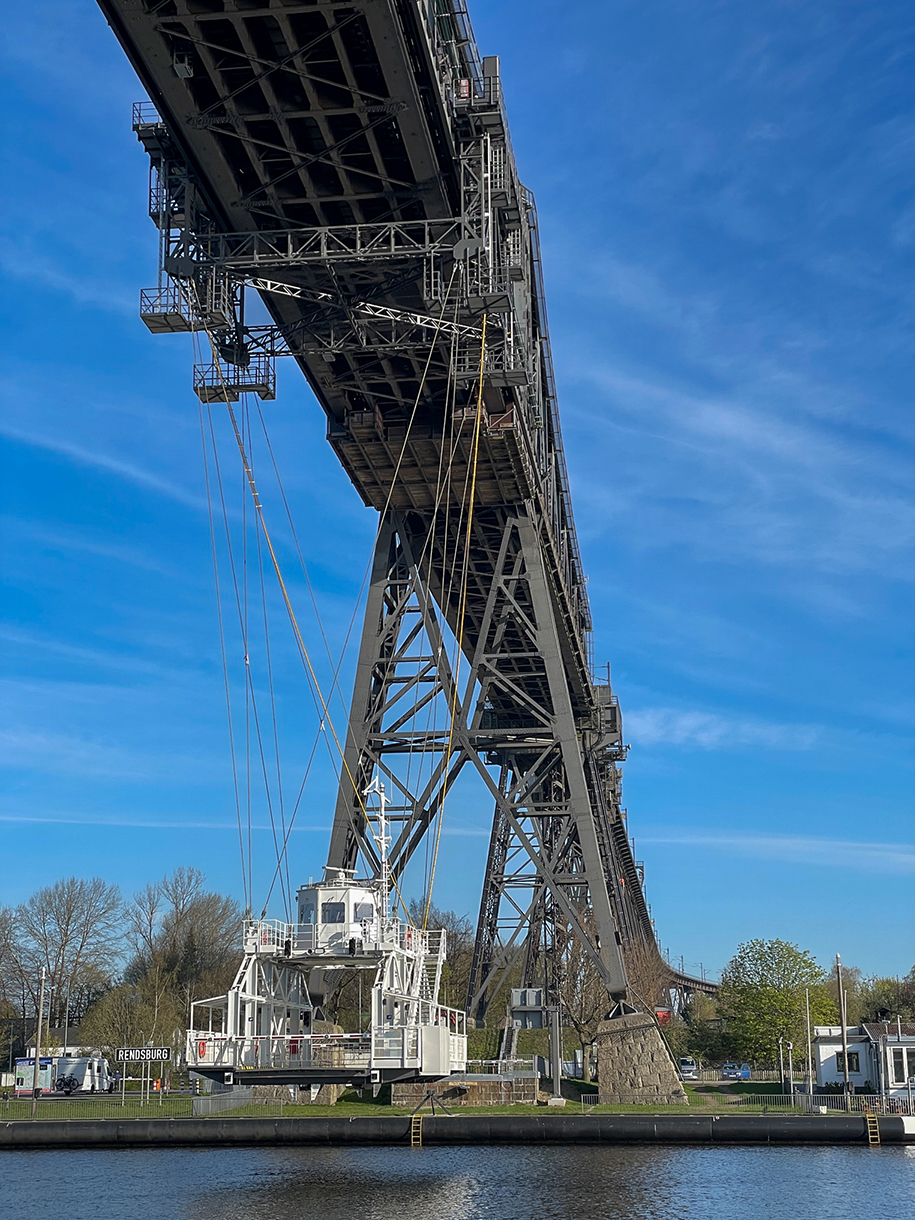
<point x="565" y="1183"/>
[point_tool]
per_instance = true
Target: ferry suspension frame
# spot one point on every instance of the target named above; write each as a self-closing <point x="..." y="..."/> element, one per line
<point x="264" y="1030"/>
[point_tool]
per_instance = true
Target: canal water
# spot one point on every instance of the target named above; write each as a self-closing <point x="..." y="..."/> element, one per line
<point x="492" y="1183"/>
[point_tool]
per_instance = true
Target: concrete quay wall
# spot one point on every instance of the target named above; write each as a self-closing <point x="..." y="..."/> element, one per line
<point x="460" y="1130"/>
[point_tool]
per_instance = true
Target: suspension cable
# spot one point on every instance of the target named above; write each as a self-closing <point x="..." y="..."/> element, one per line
<point x="225" y="662"/>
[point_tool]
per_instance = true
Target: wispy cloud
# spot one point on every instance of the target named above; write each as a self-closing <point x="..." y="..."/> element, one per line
<point x="173" y="822"/>
<point x="80" y="544"/>
<point x="897" y="858"/>
<point x="726" y="478"/>
<point x="97" y="460"/>
<point x="22" y="262"/>
<point x="710" y="731"/>
<point x="31" y="643"/>
<point x="71" y="755"/>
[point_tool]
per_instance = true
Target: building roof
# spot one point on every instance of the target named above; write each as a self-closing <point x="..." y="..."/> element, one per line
<point x="882" y="1029"/>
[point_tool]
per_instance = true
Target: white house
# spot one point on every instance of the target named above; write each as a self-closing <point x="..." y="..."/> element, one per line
<point x="881" y="1056"/>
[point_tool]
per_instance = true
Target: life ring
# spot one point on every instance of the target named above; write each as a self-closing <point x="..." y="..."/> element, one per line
<point x="264" y="937"/>
<point x="408" y="938"/>
<point x="201" y="1050"/>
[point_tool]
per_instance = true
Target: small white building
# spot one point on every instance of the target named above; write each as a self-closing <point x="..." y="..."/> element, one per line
<point x="881" y="1056"/>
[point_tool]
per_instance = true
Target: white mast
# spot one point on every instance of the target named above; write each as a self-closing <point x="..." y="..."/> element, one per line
<point x="382" y="839"/>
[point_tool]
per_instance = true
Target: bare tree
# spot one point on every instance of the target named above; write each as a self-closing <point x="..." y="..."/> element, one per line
<point x="582" y="992"/>
<point x="74" y="928"/>
<point x="184" y="939"/>
<point x="648" y="975"/>
<point x="459" y="938"/>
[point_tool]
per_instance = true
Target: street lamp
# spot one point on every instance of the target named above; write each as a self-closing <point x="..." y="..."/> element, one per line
<point x="790" y="1046"/>
<point x="809" y="1044"/>
<point x="36" y="1087"/>
<point x="781" y="1064"/>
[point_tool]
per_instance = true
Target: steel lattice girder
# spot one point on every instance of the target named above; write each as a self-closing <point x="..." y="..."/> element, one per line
<point x="512" y="708"/>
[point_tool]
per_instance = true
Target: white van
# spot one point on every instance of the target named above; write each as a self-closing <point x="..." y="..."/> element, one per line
<point x="689" y="1069"/>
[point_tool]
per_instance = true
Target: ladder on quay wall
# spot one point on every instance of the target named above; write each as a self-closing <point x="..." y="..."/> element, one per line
<point x="416" y="1131"/>
<point x="873" y="1130"/>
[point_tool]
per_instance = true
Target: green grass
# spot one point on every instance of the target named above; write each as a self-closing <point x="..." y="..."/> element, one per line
<point x="700" y="1097"/>
<point x="758" y="1086"/>
<point x="88" y="1108"/>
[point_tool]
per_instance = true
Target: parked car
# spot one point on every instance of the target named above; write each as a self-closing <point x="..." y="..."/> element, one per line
<point x="689" y="1069"/>
<point x="735" y="1071"/>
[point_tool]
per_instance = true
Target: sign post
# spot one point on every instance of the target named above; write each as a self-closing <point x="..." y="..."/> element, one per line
<point x="144" y="1055"/>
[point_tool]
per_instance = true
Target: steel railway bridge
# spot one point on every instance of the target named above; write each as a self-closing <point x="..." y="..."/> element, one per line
<point x="351" y="163"/>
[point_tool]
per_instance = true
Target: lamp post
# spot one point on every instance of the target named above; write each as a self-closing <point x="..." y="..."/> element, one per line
<point x="556" y="1040"/>
<point x="790" y="1046"/>
<point x="781" y="1065"/>
<point x="843" y="1018"/>
<point x="809" y="1044"/>
<point x="36" y="1088"/>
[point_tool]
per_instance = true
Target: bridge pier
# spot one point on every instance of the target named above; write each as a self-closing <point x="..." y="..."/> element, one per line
<point x="634" y="1066"/>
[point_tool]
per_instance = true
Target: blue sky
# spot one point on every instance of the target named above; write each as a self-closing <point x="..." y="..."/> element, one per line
<point x="727" y="203"/>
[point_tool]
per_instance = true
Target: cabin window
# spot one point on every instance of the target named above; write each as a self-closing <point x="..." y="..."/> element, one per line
<point x="853" y="1062"/>
<point x="363" y="910"/>
<point x="308" y="913"/>
<point x="333" y="912"/>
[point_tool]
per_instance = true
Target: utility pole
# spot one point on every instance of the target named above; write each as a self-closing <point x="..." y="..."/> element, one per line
<point x="36" y="1088"/>
<point x="843" y="1014"/>
<point x="809" y="1044"/>
<point x="790" y="1046"/>
<point x="67" y="1019"/>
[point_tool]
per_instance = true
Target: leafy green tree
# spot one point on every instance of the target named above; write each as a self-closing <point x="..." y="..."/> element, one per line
<point x="883" y="999"/>
<point x="762" y="998"/>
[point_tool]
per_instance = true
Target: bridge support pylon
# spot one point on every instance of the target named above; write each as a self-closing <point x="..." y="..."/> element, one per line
<point x="500" y="706"/>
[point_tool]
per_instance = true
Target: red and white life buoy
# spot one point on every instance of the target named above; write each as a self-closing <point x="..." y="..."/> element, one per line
<point x="408" y="937"/>
<point x="201" y="1050"/>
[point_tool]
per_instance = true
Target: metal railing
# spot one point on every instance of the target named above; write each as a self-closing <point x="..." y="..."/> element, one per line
<point x="496" y="1067"/>
<point x="130" y="1105"/>
<point x="709" y="1075"/>
<point x="217" y="382"/>
<point x="206" y="1049"/>
<point x="393" y="1043"/>
<point x="145" y="115"/>
<point x="827" y="1103"/>
<point x="273" y="936"/>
